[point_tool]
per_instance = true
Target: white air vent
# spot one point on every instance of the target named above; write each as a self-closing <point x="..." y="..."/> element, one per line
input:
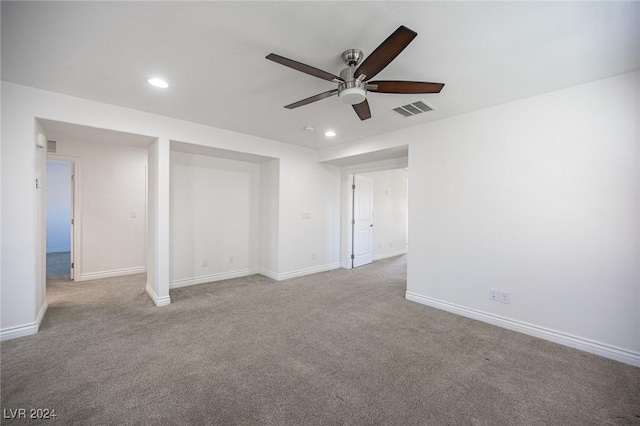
<point x="52" y="146"/>
<point x="414" y="108"/>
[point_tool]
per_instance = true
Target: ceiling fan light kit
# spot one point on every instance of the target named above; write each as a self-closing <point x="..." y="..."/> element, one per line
<point x="351" y="91"/>
<point x="352" y="95"/>
<point x="353" y="82"/>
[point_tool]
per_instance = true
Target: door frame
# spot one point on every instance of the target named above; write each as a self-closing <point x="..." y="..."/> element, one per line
<point x="75" y="211"/>
<point x="346" y="214"/>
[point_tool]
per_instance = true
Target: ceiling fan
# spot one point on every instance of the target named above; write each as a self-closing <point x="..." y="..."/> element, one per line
<point x="353" y="82"/>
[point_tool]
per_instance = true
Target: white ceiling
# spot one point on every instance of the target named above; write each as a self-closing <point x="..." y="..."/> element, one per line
<point x="212" y="55"/>
<point x="190" y="148"/>
<point x="60" y="131"/>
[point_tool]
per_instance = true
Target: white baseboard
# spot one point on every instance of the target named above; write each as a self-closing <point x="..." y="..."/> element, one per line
<point x="86" y="276"/>
<point x="307" y="271"/>
<point x="26" y="329"/>
<point x="267" y="273"/>
<point x="158" y="301"/>
<point x="213" y="277"/>
<point x="604" y="350"/>
<point x="58" y="250"/>
<point x="346" y="264"/>
<point x="41" y="313"/>
<point x="386" y="255"/>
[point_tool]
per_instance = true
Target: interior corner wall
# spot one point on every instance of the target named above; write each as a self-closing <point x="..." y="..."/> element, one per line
<point x="20" y="261"/>
<point x="539" y="198"/>
<point x="158" y="228"/>
<point x="40" y="202"/>
<point x="309" y="216"/>
<point x="152" y="220"/>
<point x="269" y="217"/>
<point x="389" y="212"/>
<point x="112" y="207"/>
<point x="215" y="219"/>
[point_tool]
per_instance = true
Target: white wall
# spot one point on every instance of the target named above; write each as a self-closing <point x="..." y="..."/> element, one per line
<point x="58" y="188"/>
<point x="39" y="209"/>
<point x="112" y="181"/>
<point x="269" y="217"/>
<point x="309" y="216"/>
<point x="158" y="205"/>
<point x="304" y="186"/>
<point x="389" y="212"/>
<point x="215" y="222"/>
<point x="539" y="198"/>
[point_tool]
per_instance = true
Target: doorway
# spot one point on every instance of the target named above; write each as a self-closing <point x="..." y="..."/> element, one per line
<point x="60" y="217"/>
<point x="377" y="215"/>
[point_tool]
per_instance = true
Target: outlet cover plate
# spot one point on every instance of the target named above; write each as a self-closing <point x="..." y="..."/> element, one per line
<point x="493" y="294"/>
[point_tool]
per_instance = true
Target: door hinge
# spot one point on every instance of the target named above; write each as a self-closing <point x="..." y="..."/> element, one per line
<point x="353" y="221"/>
<point x="71" y="265"/>
<point x="353" y="187"/>
<point x="72" y="221"/>
<point x="352" y="257"/>
<point x="73" y="177"/>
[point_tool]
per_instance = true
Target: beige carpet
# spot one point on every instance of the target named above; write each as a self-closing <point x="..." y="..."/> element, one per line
<point x="336" y="348"/>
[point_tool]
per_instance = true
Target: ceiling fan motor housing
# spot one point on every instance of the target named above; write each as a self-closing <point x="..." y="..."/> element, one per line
<point x="352" y="91"/>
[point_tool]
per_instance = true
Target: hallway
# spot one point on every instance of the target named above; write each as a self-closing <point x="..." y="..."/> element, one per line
<point x="58" y="266"/>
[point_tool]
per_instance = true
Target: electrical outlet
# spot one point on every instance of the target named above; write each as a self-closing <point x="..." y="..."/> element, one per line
<point x="504" y="297"/>
<point x="204" y="263"/>
<point x="493" y="294"/>
<point x="231" y="259"/>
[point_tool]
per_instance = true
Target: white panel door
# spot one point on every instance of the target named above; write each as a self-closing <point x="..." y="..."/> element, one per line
<point x="363" y="221"/>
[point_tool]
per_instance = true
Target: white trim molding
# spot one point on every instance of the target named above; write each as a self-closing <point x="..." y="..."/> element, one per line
<point x="386" y="255"/>
<point x="212" y="278"/>
<point x="86" y="276"/>
<point x="597" y="348"/>
<point x="25" y="329"/>
<point x="267" y="273"/>
<point x="307" y="271"/>
<point x="158" y="301"/>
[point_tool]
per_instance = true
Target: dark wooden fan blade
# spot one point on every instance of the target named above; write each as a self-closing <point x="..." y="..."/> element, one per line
<point x="386" y="52"/>
<point x="299" y="66"/>
<point x="312" y="99"/>
<point x="391" y="86"/>
<point x="362" y="109"/>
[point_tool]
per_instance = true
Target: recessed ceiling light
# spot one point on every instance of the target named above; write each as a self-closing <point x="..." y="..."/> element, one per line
<point x="308" y="129"/>
<point x="158" y="82"/>
<point x="329" y="133"/>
